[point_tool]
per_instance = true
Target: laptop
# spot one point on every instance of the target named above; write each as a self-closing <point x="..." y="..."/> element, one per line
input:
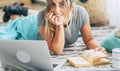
<point x="26" y="55"/>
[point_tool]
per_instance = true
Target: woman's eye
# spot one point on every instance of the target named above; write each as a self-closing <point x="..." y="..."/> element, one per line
<point x="61" y="4"/>
<point x="53" y="4"/>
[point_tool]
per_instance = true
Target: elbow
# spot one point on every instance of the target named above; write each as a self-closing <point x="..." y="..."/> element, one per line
<point x="58" y="50"/>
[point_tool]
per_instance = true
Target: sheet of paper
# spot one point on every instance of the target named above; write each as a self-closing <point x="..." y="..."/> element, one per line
<point x="79" y="61"/>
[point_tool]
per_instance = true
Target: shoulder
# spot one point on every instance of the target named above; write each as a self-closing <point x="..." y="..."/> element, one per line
<point x="81" y="14"/>
<point x="80" y="11"/>
<point x="41" y="13"/>
<point x="79" y="8"/>
<point x="41" y="16"/>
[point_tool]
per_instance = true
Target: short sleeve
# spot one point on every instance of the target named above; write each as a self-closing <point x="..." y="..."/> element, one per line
<point x="82" y="15"/>
<point x="85" y="16"/>
<point x="41" y="18"/>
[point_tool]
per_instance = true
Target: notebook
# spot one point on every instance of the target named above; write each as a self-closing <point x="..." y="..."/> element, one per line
<point x="26" y="55"/>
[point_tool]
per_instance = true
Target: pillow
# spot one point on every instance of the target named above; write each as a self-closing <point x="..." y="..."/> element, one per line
<point x="97" y="10"/>
<point x="111" y="41"/>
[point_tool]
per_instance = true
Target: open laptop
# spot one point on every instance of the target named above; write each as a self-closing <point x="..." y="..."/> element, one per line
<point x="26" y="55"/>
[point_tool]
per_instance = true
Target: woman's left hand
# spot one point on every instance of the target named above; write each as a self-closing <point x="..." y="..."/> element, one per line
<point x="101" y="49"/>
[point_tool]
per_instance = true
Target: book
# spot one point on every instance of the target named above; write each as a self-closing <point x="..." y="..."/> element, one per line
<point x="89" y="58"/>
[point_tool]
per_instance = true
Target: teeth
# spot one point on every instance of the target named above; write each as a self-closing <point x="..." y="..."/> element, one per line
<point x="58" y="15"/>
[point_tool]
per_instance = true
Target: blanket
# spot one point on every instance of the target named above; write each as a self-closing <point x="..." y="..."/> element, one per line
<point x="23" y="28"/>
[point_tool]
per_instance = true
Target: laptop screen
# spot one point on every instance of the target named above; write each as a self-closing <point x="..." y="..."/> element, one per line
<point x="27" y="55"/>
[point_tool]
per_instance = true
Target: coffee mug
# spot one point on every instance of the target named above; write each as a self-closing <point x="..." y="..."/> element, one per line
<point x="116" y="58"/>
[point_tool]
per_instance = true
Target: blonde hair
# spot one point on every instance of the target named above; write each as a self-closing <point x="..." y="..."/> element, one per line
<point x="48" y="26"/>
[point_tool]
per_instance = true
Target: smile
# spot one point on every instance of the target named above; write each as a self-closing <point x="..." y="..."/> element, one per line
<point x="58" y="15"/>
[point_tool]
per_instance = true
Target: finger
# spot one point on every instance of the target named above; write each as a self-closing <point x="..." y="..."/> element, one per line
<point x="59" y="20"/>
<point x="50" y="15"/>
<point x="56" y="21"/>
<point x="53" y="19"/>
<point x="101" y="49"/>
<point x="104" y="51"/>
<point x="98" y="48"/>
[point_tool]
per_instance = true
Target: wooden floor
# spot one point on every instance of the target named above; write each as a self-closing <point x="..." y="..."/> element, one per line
<point x="76" y="49"/>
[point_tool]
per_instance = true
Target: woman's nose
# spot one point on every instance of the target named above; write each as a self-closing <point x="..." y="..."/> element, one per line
<point x="57" y="10"/>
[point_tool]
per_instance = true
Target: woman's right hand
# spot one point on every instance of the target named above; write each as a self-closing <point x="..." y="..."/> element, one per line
<point x="55" y="19"/>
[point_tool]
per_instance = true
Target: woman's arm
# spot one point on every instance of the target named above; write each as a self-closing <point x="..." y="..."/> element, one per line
<point x="55" y="38"/>
<point x="56" y="42"/>
<point x="89" y="40"/>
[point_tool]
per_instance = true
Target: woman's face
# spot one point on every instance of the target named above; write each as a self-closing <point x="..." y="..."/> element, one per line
<point x="58" y="8"/>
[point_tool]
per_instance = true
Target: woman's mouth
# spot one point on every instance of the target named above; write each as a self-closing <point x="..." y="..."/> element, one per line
<point x="58" y="15"/>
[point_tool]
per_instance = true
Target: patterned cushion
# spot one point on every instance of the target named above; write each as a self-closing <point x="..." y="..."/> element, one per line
<point x="97" y="10"/>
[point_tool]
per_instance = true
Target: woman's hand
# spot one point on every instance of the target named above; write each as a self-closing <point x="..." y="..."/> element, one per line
<point x="55" y="19"/>
<point x="101" y="49"/>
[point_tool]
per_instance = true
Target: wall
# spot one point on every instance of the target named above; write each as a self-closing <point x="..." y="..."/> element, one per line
<point x="114" y="12"/>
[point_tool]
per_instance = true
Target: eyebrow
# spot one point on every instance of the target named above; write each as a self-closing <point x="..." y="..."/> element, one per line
<point x="59" y="2"/>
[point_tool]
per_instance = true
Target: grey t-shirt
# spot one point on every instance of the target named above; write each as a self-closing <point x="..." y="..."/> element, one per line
<point x="78" y="19"/>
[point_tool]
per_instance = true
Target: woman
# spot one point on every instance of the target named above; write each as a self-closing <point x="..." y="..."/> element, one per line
<point x="60" y="23"/>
